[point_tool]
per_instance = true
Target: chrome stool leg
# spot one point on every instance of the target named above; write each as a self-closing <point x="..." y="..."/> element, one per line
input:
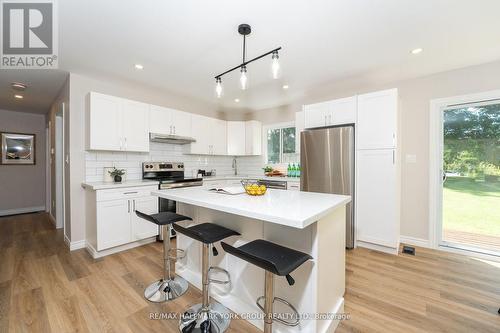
<point x="171" y="286"/>
<point x="206" y="317"/>
<point x="268" y="310"/>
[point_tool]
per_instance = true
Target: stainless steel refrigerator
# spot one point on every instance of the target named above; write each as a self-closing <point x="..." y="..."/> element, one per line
<point x="327" y="166"/>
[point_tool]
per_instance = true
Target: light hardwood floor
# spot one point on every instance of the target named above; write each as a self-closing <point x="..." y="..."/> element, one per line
<point x="45" y="288"/>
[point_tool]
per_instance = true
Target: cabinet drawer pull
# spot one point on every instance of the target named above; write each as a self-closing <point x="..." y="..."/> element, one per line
<point x="130" y="192"/>
<point x="128" y="202"/>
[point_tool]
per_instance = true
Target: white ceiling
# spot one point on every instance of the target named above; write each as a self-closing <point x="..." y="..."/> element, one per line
<point x="183" y="44"/>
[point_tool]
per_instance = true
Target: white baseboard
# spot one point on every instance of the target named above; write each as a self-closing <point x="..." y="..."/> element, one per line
<point x="22" y="210"/>
<point x="414" y="241"/>
<point x="52" y="219"/>
<point x="376" y="247"/>
<point x="76" y="245"/>
<point x="99" y="254"/>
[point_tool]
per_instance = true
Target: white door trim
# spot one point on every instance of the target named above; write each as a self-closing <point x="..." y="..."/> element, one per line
<point x="436" y="153"/>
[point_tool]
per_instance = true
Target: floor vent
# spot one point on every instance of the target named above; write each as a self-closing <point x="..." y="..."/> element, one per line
<point x="409" y="250"/>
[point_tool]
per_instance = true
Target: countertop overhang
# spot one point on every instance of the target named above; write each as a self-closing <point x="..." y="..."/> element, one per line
<point x="291" y="208"/>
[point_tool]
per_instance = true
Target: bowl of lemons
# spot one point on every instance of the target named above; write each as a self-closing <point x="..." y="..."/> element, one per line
<point x="252" y="187"/>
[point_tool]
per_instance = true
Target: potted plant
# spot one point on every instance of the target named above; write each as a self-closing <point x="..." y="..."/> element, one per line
<point x="117" y="174"/>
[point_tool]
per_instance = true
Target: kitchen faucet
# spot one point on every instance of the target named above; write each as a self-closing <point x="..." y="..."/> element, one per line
<point x="235" y="166"/>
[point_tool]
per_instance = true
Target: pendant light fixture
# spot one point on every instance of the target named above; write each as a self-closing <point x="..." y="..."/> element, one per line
<point x="245" y="30"/>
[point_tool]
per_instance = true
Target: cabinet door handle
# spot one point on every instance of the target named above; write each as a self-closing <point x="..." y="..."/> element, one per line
<point x="121" y="144"/>
<point x="393" y="157"/>
<point x="128" y="202"/>
<point x="170" y="129"/>
<point x="130" y="192"/>
<point x="134" y="206"/>
<point x="125" y="143"/>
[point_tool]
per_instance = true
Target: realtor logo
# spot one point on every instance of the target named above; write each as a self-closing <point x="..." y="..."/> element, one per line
<point x="28" y="34"/>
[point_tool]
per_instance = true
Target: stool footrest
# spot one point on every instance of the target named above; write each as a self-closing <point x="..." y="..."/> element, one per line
<point x="214" y="269"/>
<point x="295" y="313"/>
<point x="179" y="254"/>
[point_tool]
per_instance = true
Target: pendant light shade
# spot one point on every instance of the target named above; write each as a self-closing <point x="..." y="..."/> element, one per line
<point x="218" y="87"/>
<point x="243" y="78"/>
<point x="275" y="66"/>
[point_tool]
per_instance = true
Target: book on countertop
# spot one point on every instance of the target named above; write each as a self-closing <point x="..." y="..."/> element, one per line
<point x="233" y="190"/>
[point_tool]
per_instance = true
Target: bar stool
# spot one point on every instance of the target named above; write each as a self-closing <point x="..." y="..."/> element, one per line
<point x="170" y="286"/>
<point x="275" y="260"/>
<point x="206" y="317"/>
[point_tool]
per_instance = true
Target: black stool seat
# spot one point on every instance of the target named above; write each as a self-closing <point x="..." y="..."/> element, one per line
<point x="272" y="257"/>
<point x="163" y="218"/>
<point x="207" y="233"/>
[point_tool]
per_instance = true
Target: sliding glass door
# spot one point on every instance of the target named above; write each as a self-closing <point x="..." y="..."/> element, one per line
<point x="471" y="177"/>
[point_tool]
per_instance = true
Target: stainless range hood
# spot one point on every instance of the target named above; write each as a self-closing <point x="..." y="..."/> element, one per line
<point x="169" y="138"/>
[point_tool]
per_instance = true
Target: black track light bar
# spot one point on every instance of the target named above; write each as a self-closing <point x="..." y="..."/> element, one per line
<point x="247" y="62"/>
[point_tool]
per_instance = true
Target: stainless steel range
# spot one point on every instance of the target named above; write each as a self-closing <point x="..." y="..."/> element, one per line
<point x="170" y="175"/>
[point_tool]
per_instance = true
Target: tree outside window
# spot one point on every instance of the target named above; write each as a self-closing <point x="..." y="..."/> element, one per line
<point x="281" y="145"/>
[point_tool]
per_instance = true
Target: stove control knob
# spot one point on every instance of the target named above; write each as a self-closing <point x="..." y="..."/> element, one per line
<point x="180" y="166"/>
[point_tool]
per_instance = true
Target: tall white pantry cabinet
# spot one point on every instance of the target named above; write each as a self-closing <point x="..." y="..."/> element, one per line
<point x="375" y="117"/>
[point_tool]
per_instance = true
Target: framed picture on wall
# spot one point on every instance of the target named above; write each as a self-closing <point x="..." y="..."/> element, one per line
<point x="18" y="148"/>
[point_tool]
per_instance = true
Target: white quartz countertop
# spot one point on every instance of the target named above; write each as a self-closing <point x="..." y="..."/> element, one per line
<point x="128" y="183"/>
<point x="291" y="208"/>
<point x="285" y="179"/>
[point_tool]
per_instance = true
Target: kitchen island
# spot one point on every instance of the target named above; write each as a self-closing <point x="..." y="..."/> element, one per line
<point x="313" y="223"/>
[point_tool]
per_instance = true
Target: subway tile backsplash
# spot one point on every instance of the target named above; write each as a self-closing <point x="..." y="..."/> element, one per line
<point x="96" y="161"/>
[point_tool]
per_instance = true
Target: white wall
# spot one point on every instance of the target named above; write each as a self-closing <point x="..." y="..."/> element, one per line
<point x="22" y="187"/>
<point x="415" y="96"/>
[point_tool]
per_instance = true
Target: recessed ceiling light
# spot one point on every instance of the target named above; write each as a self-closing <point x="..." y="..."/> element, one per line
<point x="138" y="66"/>
<point x="417" y="50"/>
<point x="18" y="86"/>
<point x="285" y="86"/>
<point x="18" y="96"/>
<point x="237" y="100"/>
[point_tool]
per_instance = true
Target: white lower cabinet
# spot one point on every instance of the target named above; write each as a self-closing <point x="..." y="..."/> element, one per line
<point x="377" y="213"/>
<point x="113" y="223"/>
<point x="141" y="228"/>
<point x="111" y="217"/>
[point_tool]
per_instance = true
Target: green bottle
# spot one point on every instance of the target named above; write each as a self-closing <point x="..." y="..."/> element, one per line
<point x="298" y="170"/>
<point x="289" y="170"/>
<point x="294" y="170"/>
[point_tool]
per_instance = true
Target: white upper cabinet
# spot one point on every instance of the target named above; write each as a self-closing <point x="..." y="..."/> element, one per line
<point x="104" y="123"/>
<point x="181" y="123"/>
<point x="377" y="120"/>
<point x="210" y="135"/>
<point x="236" y="138"/>
<point x="253" y="137"/>
<point x="316" y="115"/>
<point x="336" y="112"/>
<point x="169" y="122"/>
<point x="117" y="124"/>
<point x="244" y="138"/>
<point x="343" y="111"/>
<point x="135" y="123"/>
<point x="218" y="136"/>
<point x="160" y="120"/>
<point x="200" y="127"/>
